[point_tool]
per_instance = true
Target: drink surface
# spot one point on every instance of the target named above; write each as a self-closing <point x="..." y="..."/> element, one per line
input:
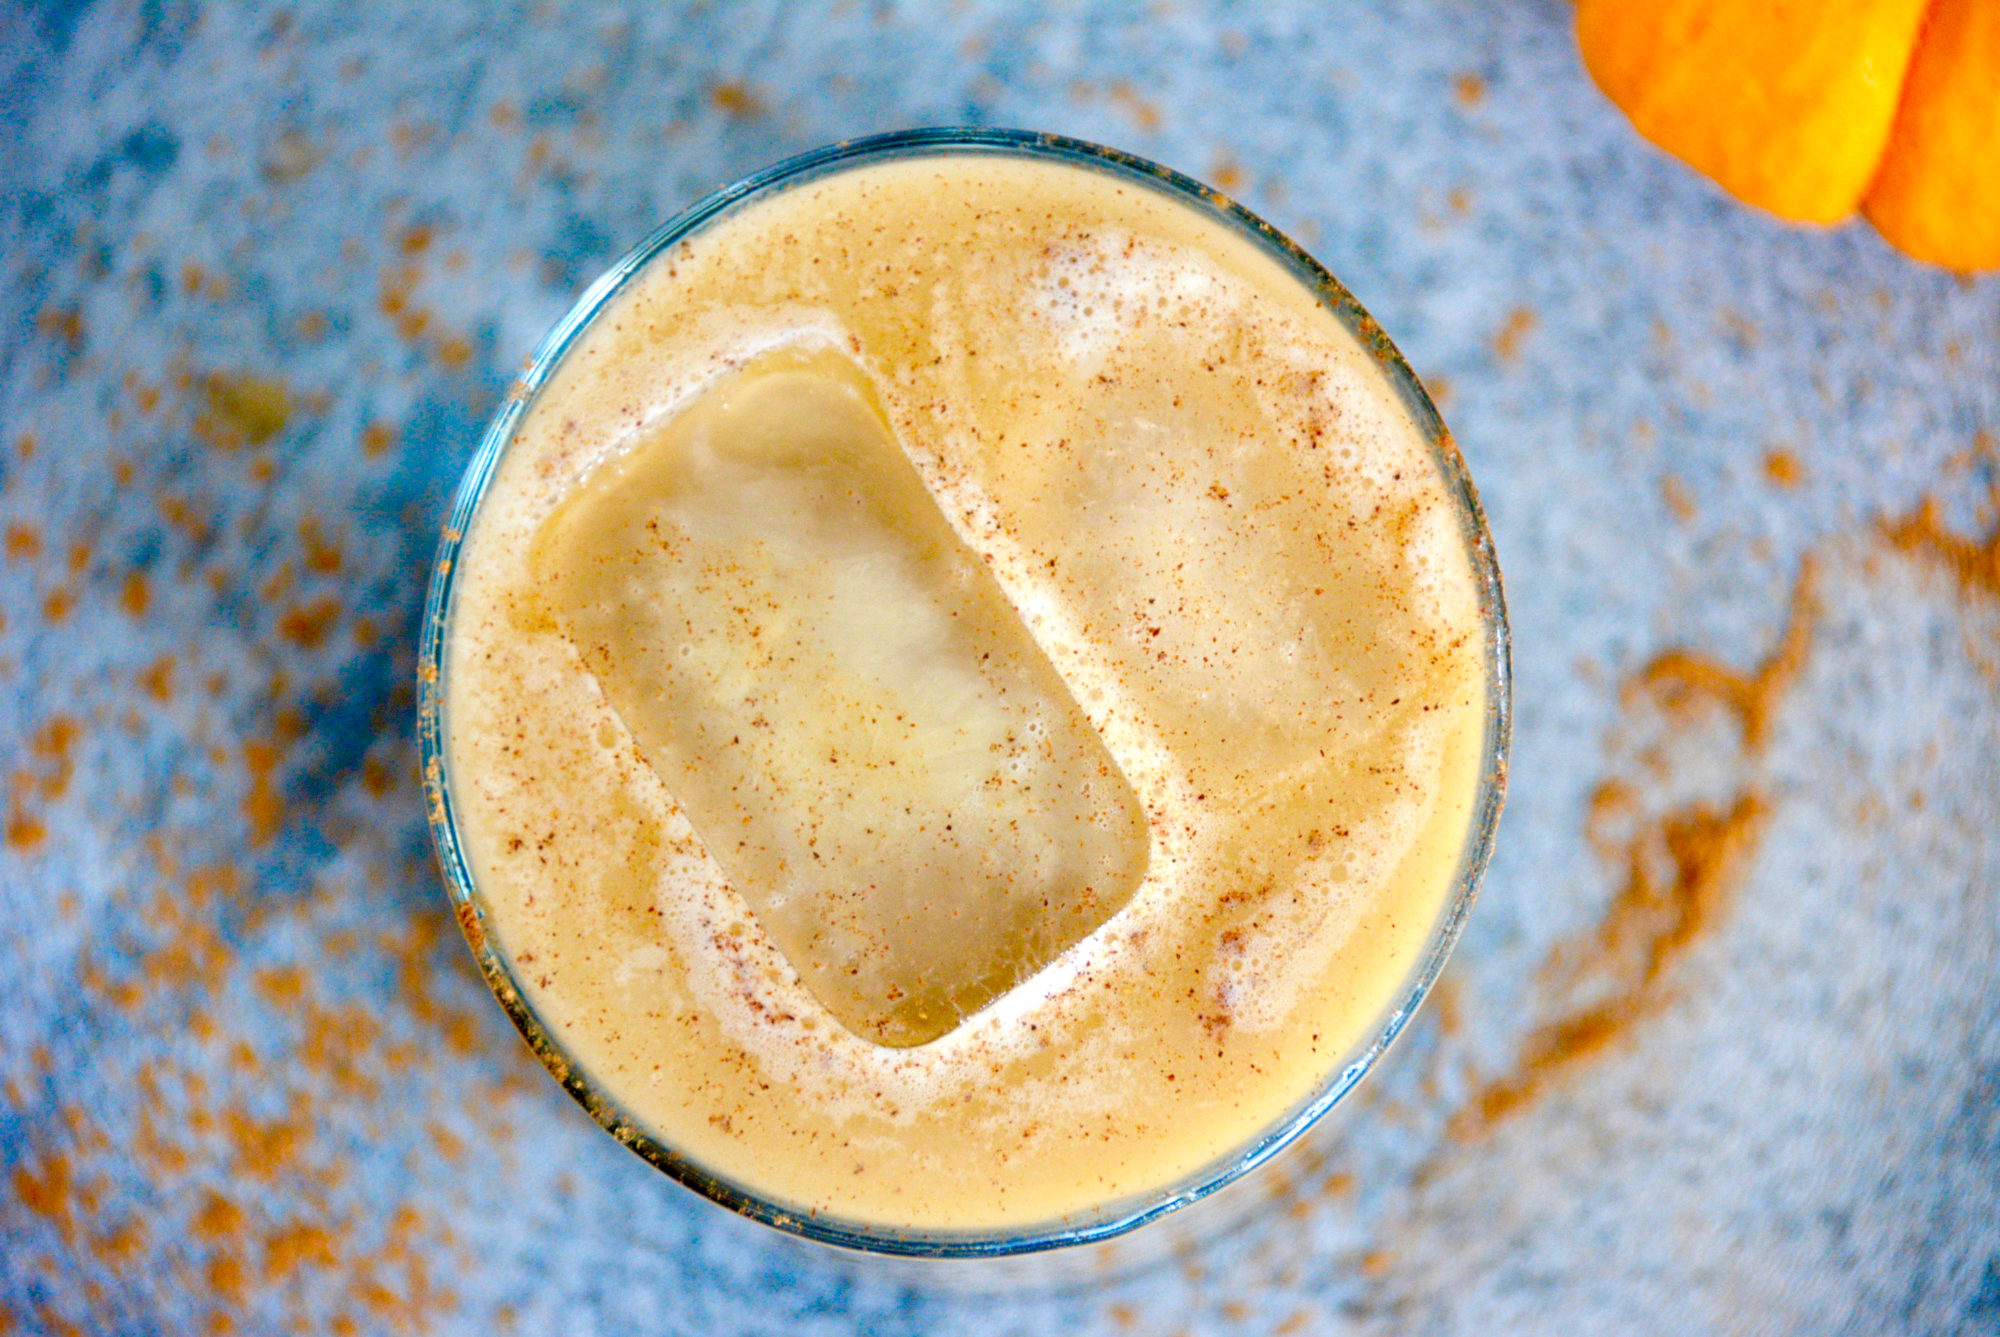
<point x="988" y="493"/>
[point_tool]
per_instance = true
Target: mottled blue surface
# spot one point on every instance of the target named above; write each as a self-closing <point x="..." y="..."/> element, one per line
<point x="252" y="1082"/>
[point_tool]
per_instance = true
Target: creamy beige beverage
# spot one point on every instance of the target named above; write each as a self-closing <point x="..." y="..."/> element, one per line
<point x="966" y="695"/>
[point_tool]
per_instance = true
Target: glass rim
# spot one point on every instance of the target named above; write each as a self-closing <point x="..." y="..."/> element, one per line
<point x="1125" y="1215"/>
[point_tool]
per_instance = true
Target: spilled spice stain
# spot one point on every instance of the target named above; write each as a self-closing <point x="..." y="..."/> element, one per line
<point x="262" y="808"/>
<point x="1507" y="344"/>
<point x="1678" y="499"/>
<point x="312" y="1256"/>
<point x="735" y="99"/>
<point x="227" y="1278"/>
<point x="1469" y="89"/>
<point x="307" y="625"/>
<point x="24" y="542"/>
<point x="1144" y="114"/>
<point x="295" y="1248"/>
<point x="1611" y="801"/>
<point x="1973" y="562"/>
<point x="1679" y="871"/>
<point x="321" y="556"/>
<point x="454" y="353"/>
<point x="51" y="754"/>
<point x="398" y="285"/>
<point x="376" y="439"/>
<point x="1782" y="467"/>
<point x="376" y="777"/>
<point x="1651" y="923"/>
<point x="48" y="1193"/>
<point x="217" y="1218"/>
<point x="414" y="323"/>
<point x="63" y="324"/>
<point x="1681" y="678"/>
<point x="1227" y="174"/>
<point x="135" y="596"/>
<point x="242" y="409"/>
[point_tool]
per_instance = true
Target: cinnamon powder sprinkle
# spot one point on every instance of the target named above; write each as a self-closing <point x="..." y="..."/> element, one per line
<point x="23" y="542"/>
<point x="1507" y="344"/>
<point x="1783" y="468"/>
<point x="307" y="625"/>
<point x="262" y="808"/>
<point x="135" y="596"/>
<point x="1650" y="925"/>
<point x="735" y="99"/>
<point x="310" y="1259"/>
<point x="1679" y="872"/>
<point x="1680" y="678"/>
<point x="1973" y="563"/>
<point x="52" y="765"/>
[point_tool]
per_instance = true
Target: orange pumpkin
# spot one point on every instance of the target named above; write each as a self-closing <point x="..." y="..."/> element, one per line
<point x="1814" y="108"/>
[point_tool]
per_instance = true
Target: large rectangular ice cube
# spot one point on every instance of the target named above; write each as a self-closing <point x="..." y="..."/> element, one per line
<point x="854" y="718"/>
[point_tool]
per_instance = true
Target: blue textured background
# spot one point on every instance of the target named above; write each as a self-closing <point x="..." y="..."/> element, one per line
<point x="266" y="271"/>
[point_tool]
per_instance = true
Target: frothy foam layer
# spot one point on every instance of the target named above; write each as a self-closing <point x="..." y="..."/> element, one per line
<point x="1209" y="510"/>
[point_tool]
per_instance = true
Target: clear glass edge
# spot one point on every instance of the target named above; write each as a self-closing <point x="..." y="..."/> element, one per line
<point x="1119" y="1218"/>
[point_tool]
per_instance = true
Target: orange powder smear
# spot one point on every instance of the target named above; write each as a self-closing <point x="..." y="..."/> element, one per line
<point x="1651" y="924"/>
<point x="1783" y="468"/>
<point x="1680" y="870"/>
<point x="157" y="678"/>
<point x="262" y="807"/>
<point x="219" y="1218"/>
<point x="23" y="541"/>
<point x="299" y="1247"/>
<point x="321" y="556"/>
<point x="1144" y="114"/>
<point x="51" y="751"/>
<point x="735" y="99"/>
<point x="1507" y="344"/>
<point x="135" y="596"/>
<point x="307" y="625"/>
<point x="1682" y="678"/>
<point x="48" y="1194"/>
<point x="224" y="1247"/>
<point x="1973" y="563"/>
